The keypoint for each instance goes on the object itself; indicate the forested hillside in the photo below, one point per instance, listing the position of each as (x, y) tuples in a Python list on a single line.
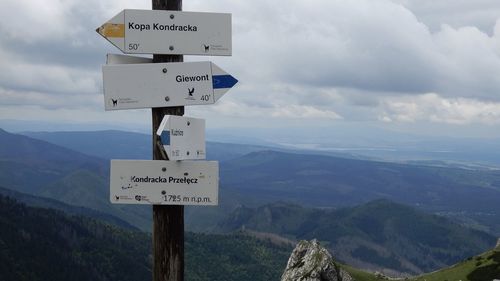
[(45, 244), (377, 235)]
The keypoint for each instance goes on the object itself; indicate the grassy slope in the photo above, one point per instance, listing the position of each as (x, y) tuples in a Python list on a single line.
[(360, 275), (484, 267)]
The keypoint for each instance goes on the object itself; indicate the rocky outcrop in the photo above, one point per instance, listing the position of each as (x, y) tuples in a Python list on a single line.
[(498, 244), (311, 262)]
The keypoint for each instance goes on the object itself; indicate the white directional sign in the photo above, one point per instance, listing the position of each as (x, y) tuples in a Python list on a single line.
[(183, 138), (147, 85), (169, 32), (164, 182)]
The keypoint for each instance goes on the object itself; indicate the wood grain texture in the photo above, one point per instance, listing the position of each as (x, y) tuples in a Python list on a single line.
[(168, 221)]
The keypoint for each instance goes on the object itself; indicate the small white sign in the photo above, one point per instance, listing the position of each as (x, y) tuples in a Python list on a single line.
[(183, 138), (169, 32), (156, 182), (147, 85)]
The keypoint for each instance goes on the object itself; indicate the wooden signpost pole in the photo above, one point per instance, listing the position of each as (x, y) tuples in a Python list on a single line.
[(168, 221), (132, 82)]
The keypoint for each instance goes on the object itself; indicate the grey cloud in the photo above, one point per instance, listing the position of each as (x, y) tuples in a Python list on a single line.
[(345, 45), (338, 56), (88, 56), (47, 100), (47, 78), (376, 46), (457, 13), (433, 108)]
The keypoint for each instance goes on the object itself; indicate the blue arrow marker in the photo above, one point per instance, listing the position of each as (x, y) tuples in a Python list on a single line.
[(165, 137), (223, 81)]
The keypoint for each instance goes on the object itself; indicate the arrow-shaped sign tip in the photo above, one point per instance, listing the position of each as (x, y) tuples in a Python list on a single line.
[(112, 30), (223, 81), (100, 30)]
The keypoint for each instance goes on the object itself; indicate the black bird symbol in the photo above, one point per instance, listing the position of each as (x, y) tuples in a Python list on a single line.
[(207, 48), (190, 92), (115, 102)]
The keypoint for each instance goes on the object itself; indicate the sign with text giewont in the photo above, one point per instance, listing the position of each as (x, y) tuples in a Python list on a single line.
[(164, 182), (169, 32), (183, 138), (147, 85)]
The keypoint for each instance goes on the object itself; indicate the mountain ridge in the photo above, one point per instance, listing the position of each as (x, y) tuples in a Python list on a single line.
[(115, 144), (267, 176), (375, 235), (325, 181), (49, 203), (43, 169)]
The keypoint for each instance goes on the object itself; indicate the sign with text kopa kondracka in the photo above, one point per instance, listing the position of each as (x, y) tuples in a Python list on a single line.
[(169, 32), (156, 182)]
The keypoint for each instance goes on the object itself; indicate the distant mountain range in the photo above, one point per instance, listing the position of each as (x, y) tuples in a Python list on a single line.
[(250, 175), (379, 235), (253, 176), (126, 145), (43, 169), (28, 164), (470, 144), (324, 181)]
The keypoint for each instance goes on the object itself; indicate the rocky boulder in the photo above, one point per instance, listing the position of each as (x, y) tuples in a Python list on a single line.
[(312, 262)]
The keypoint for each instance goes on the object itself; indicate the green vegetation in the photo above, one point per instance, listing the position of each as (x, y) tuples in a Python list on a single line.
[(381, 233), (360, 275), (377, 233), (318, 180), (233, 257), (44, 244), (484, 267)]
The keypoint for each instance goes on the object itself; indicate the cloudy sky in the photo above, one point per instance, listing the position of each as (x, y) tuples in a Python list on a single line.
[(414, 64)]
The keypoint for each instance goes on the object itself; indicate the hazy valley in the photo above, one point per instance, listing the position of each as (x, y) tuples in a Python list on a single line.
[(327, 197)]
